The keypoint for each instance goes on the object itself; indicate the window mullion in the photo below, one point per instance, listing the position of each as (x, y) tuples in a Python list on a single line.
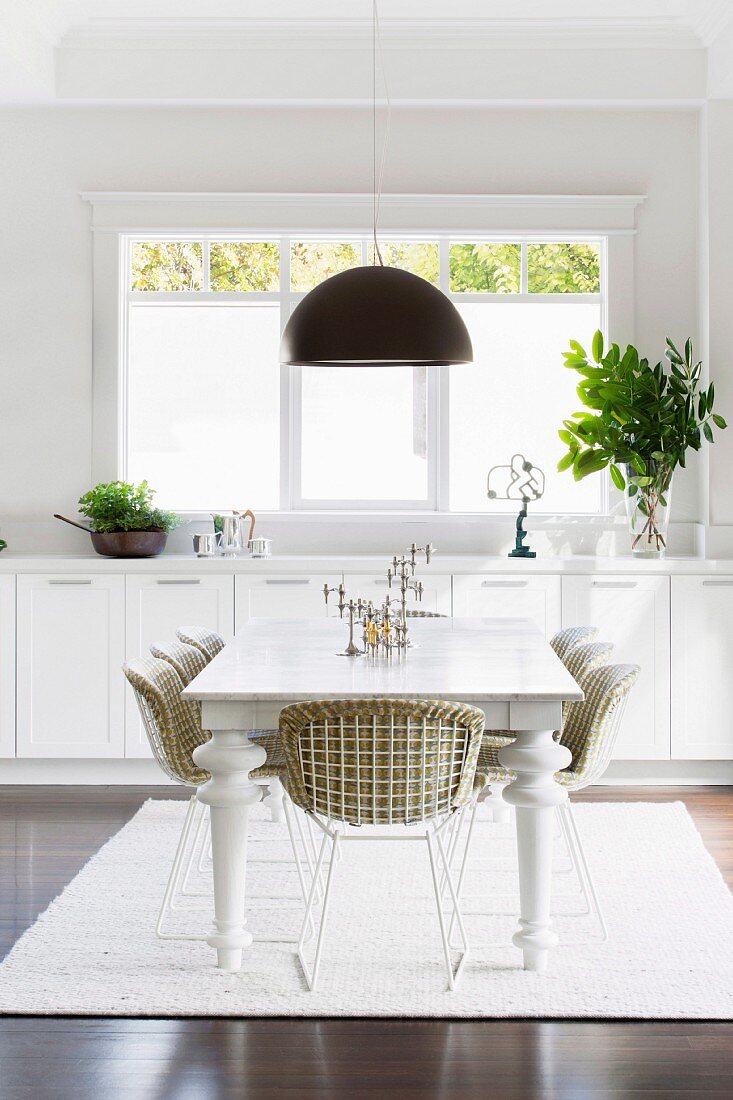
[(523, 279), (207, 272)]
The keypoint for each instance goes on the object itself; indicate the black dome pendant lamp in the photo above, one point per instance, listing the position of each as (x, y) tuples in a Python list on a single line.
[(375, 316)]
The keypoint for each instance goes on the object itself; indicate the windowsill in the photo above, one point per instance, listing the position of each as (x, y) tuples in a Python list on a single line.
[(552, 519)]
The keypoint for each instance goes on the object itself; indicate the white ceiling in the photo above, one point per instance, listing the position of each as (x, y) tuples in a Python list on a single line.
[(49, 48)]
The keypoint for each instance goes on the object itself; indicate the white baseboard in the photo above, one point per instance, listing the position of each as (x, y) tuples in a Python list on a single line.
[(650, 773)]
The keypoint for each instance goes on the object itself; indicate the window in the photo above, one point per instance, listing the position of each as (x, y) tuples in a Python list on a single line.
[(213, 421)]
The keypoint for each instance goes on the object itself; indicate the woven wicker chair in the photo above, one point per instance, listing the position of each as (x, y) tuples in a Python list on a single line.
[(187, 660), (208, 641), (590, 730), (173, 727), (380, 762), (567, 639)]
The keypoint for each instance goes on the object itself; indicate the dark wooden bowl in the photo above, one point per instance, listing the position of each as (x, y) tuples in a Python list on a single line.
[(129, 544)]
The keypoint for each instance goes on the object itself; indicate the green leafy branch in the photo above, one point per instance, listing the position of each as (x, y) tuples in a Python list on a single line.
[(639, 418)]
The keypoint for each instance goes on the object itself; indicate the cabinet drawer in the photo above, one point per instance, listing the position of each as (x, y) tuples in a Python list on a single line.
[(70, 685), (156, 605), (7, 666), (498, 596), (702, 657), (282, 597), (436, 590), (633, 613)]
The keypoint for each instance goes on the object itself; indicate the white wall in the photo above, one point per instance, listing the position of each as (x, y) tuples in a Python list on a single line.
[(50, 155)]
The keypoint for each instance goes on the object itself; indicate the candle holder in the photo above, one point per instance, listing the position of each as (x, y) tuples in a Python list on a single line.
[(384, 627)]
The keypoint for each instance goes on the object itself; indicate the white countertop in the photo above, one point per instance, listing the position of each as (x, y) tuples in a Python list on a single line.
[(333, 565), (481, 660)]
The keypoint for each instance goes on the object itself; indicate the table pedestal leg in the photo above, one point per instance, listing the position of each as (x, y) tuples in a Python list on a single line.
[(229, 756), (535, 757)]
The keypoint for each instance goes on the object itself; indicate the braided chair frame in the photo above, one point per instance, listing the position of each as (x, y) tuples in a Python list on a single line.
[(426, 615), (583, 658), (208, 641), (567, 639), (187, 660), (380, 761), (171, 722)]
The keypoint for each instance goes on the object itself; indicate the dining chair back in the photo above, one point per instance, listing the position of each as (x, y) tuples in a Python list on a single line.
[(187, 660), (208, 641), (583, 658), (591, 726), (171, 722), (571, 636), (380, 761), (426, 615)]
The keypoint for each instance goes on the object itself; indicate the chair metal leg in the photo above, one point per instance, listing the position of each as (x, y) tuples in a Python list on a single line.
[(311, 976), (565, 812), (435, 839), (170, 889)]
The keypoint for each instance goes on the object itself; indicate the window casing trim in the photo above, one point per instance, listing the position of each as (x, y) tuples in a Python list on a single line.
[(606, 219)]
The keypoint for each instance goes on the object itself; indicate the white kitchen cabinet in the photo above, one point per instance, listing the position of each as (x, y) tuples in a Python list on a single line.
[(702, 657), (633, 613), (7, 666), (70, 650), (156, 605), (372, 586), (281, 596), (536, 598)]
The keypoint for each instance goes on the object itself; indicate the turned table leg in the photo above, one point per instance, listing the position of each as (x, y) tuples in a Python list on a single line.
[(535, 757), (229, 756)]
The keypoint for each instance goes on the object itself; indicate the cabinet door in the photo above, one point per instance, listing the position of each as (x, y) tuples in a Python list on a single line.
[(702, 658), (155, 607), (535, 598), (278, 597), (71, 646), (7, 666), (436, 590), (633, 613)]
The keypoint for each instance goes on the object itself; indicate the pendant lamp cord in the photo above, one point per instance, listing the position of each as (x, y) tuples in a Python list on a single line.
[(378, 179)]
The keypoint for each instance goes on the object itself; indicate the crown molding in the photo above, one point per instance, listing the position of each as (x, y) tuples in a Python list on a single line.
[(356, 199), (396, 34)]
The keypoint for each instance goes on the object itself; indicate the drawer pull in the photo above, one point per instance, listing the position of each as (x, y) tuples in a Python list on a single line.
[(70, 581), (613, 584), (718, 584), (504, 584), (287, 580), (177, 580)]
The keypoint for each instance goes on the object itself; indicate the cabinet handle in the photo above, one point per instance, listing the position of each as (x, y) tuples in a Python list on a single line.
[(504, 584), (613, 584), (175, 580), (718, 584), (70, 581), (287, 580)]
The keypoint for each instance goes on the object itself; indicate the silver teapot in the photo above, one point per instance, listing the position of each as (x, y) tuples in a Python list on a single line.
[(230, 533)]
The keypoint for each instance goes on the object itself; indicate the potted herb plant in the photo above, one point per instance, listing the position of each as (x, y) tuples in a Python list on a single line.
[(639, 421), (124, 521)]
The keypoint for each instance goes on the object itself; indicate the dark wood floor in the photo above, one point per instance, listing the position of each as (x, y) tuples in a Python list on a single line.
[(47, 833)]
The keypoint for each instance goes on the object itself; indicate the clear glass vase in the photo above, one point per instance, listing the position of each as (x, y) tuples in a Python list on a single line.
[(647, 508)]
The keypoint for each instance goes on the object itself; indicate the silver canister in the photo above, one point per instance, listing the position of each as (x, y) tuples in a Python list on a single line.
[(260, 548), (206, 545)]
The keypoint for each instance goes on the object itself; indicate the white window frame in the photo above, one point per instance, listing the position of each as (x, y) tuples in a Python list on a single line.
[(120, 218)]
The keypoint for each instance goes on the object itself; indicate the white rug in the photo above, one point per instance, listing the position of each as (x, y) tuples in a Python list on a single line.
[(670, 955)]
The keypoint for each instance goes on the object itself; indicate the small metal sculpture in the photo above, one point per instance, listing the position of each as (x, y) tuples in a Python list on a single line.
[(385, 629), (520, 480)]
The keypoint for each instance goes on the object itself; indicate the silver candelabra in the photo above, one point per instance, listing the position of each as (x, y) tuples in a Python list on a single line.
[(384, 627)]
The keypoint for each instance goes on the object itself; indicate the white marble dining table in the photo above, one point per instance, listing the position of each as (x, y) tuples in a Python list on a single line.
[(503, 666)]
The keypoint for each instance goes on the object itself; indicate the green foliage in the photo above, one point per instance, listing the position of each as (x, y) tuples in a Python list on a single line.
[(485, 268), (119, 506), (563, 269), (313, 261), (244, 265), (636, 416), (167, 265), (3, 544), (421, 258)]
